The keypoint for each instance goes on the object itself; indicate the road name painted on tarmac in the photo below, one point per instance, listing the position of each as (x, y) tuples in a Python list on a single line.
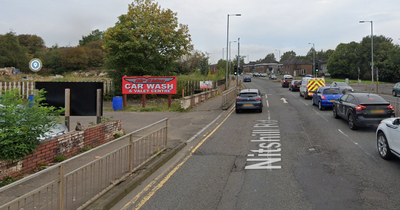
[(268, 154)]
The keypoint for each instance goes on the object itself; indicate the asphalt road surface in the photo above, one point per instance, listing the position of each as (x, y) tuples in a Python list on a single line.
[(290, 156)]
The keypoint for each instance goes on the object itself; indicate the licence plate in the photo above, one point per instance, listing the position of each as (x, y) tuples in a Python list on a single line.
[(377, 111), (247, 104), (332, 100), (298, 85)]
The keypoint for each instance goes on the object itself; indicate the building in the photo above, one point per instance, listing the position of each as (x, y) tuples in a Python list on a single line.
[(296, 67), (264, 66)]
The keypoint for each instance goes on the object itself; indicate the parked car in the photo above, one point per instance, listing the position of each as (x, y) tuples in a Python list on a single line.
[(362, 109), (344, 87), (272, 77), (294, 85), (287, 76), (387, 138), (309, 75), (325, 96), (396, 89), (247, 79), (286, 80), (249, 99)]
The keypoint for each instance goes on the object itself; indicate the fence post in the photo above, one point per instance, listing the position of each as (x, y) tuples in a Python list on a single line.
[(61, 186), (130, 153)]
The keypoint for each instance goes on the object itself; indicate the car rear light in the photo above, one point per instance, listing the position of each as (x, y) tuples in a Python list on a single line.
[(258, 99), (323, 97), (238, 99), (390, 107), (360, 107)]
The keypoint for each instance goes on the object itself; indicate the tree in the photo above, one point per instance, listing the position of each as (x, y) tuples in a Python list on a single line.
[(344, 61), (189, 63), (287, 55), (11, 53), (22, 122), (145, 41), (74, 58), (95, 53), (96, 35), (33, 43)]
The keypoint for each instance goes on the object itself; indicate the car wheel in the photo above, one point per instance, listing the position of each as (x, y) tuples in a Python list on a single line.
[(260, 110), (320, 105), (334, 110), (351, 119), (383, 146), (394, 93), (237, 111), (300, 93), (305, 95)]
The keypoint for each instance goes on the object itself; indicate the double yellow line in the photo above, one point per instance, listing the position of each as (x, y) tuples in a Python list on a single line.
[(166, 178)]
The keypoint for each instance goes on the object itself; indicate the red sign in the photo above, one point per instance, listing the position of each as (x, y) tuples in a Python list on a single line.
[(149, 85)]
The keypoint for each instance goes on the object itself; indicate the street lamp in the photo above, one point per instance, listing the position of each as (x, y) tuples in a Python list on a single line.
[(313, 46), (372, 53), (230, 51), (227, 42), (279, 58)]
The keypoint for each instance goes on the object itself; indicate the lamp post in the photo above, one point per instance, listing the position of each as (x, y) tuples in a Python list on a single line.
[(372, 53), (230, 51), (227, 42), (238, 61), (313, 46), (279, 58)]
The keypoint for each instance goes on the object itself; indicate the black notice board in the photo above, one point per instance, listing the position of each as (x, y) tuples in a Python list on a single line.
[(83, 96)]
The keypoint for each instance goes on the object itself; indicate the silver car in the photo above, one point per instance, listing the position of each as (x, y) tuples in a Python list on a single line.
[(344, 87)]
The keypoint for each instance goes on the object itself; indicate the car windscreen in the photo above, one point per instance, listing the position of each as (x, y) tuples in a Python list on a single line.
[(248, 95), (367, 99), (332, 91)]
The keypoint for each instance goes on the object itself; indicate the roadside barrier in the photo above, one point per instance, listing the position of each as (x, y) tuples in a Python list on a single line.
[(65, 186)]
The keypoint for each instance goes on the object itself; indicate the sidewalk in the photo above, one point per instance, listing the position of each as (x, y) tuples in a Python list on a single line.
[(182, 126)]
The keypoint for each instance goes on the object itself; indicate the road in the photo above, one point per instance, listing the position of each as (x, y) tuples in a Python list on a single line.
[(290, 156)]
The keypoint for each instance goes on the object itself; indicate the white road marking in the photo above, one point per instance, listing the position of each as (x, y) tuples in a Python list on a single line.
[(354, 142), (321, 115), (284, 100), (267, 103), (303, 102)]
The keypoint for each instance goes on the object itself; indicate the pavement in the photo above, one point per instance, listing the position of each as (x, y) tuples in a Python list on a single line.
[(182, 126)]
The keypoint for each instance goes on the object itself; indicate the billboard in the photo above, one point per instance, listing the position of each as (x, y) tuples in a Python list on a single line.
[(149, 85)]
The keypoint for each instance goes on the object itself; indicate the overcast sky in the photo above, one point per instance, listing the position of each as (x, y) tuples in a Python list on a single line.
[(265, 26)]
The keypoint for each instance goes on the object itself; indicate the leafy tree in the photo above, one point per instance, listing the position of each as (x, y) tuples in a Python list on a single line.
[(145, 41), (33, 43), (269, 58), (189, 63), (344, 62), (74, 58), (11, 53), (287, 55), (95, 53), (204, 66), (96, 35), (21, 122)]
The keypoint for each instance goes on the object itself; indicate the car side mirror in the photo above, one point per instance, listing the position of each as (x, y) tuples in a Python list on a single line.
[(396, 122)]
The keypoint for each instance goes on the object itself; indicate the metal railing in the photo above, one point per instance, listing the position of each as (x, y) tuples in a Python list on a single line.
[(229, 96), (76, 182)]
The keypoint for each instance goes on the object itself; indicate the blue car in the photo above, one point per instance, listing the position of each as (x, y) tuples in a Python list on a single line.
[(325, 96), (247, 79)]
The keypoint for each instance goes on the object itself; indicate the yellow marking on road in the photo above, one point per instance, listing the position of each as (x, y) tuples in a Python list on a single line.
[(166, 178)]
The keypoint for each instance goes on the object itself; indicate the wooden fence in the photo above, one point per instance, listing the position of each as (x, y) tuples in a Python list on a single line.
[(184, 88)]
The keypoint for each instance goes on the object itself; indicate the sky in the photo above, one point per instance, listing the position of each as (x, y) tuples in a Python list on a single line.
[(264, 27)]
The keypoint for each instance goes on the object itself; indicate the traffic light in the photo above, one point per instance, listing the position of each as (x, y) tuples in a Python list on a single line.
[(235, 69), (316, 68)]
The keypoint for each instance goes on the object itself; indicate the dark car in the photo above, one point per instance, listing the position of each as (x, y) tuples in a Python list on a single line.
[(247, 79), (286, 81), (396, 89), (344, 87), (295, 85), (325, 96), (249, 99), (362, 109)]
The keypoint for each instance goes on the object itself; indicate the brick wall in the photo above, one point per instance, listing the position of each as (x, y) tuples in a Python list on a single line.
[(67, 144)]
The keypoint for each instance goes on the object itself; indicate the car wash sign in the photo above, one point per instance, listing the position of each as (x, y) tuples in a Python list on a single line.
[(149, 85)]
